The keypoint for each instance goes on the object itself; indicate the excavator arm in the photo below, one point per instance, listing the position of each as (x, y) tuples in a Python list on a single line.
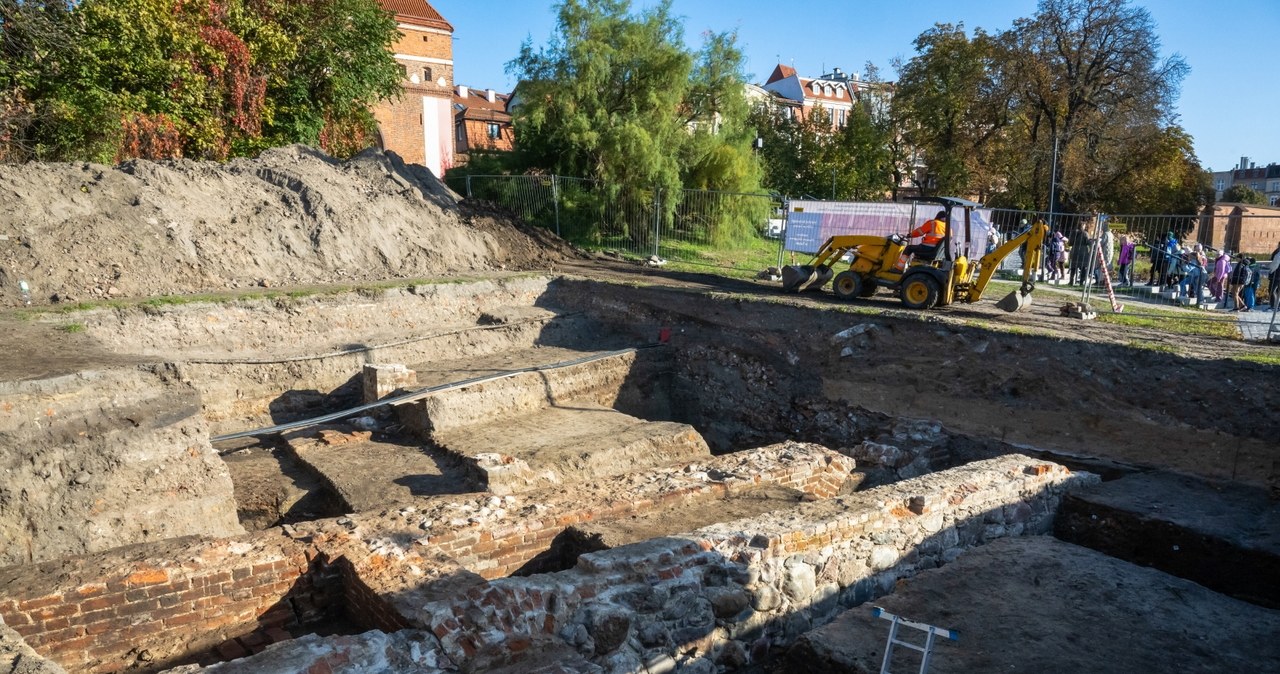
[(1034, 238), (818, 271)]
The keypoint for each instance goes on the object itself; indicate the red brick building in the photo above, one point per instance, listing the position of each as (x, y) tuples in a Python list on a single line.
[(481, 121), (419, 126), (1239, 228)]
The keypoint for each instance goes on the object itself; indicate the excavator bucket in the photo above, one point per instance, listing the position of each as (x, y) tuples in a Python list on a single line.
[(1018, 300), (798, 278)]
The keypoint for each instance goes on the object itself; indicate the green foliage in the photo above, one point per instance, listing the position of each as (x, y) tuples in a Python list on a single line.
[(615, 96), (114, 79), (1243, 194), (956, 108), (810, 156)]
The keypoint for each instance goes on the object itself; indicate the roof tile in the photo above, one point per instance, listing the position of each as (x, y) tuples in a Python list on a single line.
[(417, 12)]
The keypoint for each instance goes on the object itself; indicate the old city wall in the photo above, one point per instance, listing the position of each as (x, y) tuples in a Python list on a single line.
[(159, 603)]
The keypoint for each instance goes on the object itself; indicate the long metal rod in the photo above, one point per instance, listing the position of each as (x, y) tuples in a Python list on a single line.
[(423, 393)]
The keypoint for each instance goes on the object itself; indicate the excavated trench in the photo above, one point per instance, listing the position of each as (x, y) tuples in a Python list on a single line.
[(615, 419)]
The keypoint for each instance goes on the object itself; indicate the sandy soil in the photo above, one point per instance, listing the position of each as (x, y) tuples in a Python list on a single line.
[(293, 216)]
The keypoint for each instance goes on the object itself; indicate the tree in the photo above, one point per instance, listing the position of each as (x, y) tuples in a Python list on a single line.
[(950, 93), (1243, 194), (210, 79), (1086, 75)]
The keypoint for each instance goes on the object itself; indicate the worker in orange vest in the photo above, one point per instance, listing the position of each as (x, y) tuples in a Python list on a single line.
[(931, 234)]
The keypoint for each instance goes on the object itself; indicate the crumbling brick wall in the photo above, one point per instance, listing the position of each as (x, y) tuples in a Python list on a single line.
[(730, 593)]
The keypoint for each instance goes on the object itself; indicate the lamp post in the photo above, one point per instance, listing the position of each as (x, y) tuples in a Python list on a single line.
[(1053, 182)]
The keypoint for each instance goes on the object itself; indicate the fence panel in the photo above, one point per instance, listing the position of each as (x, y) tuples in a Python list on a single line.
[(721, 229)]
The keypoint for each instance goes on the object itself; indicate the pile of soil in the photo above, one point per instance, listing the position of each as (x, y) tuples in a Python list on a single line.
[(293, 216)]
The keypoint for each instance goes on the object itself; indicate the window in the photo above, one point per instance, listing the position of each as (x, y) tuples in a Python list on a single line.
[(462, 133), (404, 70), (1274, 199), (839, 92), (842, 113), (426, 75), (1254, 185), (1220, 185), (1275, 186), (495, 131)]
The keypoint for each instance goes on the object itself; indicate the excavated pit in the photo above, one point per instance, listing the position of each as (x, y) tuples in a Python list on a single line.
[(638, 505)]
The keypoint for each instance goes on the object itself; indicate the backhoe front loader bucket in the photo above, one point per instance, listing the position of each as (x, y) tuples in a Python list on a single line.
[(798, 278), (1018, 300)]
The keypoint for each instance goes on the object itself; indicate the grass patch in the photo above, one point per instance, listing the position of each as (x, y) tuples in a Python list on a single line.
[(72, 328), (1152, 346), (1270, 358), (1177, 322)]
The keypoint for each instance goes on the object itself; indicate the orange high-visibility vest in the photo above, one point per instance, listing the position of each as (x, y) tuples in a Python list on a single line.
[(932, 230)]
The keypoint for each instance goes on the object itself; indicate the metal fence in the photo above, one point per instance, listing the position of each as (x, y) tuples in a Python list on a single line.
[(1130, 263), (702, 227), (1165, 261)]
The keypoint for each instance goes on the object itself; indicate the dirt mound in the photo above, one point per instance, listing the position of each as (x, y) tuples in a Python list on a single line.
[(292, 216)]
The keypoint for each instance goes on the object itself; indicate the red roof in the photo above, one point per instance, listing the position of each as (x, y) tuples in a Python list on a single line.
[(781, 73), (822, 94), (477, 106), (417, 12)]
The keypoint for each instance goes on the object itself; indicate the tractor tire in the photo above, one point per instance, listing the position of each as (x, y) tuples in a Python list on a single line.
[(847, 285), (868, 289), (920, 291)]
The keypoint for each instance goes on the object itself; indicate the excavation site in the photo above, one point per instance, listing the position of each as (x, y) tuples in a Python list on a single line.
[(539, 460)]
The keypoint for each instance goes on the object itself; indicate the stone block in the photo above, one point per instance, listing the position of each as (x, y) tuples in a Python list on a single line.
[(381, 380)]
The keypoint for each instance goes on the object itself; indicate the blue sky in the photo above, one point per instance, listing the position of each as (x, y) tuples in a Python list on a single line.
[(1230, 102)]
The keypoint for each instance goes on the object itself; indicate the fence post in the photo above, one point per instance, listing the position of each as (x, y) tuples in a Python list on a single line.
[(555, 199), (468, 185), (657, 218), (782, 240)]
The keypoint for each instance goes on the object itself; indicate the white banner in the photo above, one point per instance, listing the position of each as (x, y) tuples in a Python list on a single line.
[(811, 223)]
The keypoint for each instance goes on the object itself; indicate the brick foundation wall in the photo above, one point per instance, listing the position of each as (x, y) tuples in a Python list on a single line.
[(732, 592), (156, 604), (722, 596), (108, 612)]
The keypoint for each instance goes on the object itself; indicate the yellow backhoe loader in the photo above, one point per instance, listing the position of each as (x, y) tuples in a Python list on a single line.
[(924, 283)]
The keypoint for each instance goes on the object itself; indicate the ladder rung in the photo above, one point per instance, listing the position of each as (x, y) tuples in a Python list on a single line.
[(910, 645)]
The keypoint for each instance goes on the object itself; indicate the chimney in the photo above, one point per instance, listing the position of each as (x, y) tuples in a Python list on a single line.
[(1244, 163), (463, 91), (491, 95), (1253, 165)]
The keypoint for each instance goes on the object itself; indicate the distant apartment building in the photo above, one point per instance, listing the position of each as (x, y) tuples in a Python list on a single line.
[(481, 122), (1263, 179), (419, 125), (834, 92)]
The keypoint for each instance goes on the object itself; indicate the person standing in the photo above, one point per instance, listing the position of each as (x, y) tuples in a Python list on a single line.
[(1218, 279), (1127, 249), (1239, 278), (1079, 240)]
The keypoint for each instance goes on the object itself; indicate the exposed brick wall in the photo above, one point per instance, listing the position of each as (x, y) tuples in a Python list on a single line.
[(723, 595), (401, 121), (99, 613), (752, 585), (107, 612), (478, 137)]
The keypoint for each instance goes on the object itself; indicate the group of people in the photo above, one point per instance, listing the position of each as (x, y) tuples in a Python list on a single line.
[(1070, 256)]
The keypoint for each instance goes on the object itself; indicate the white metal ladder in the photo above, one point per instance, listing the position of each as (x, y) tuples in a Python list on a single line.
[(926, 650)]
